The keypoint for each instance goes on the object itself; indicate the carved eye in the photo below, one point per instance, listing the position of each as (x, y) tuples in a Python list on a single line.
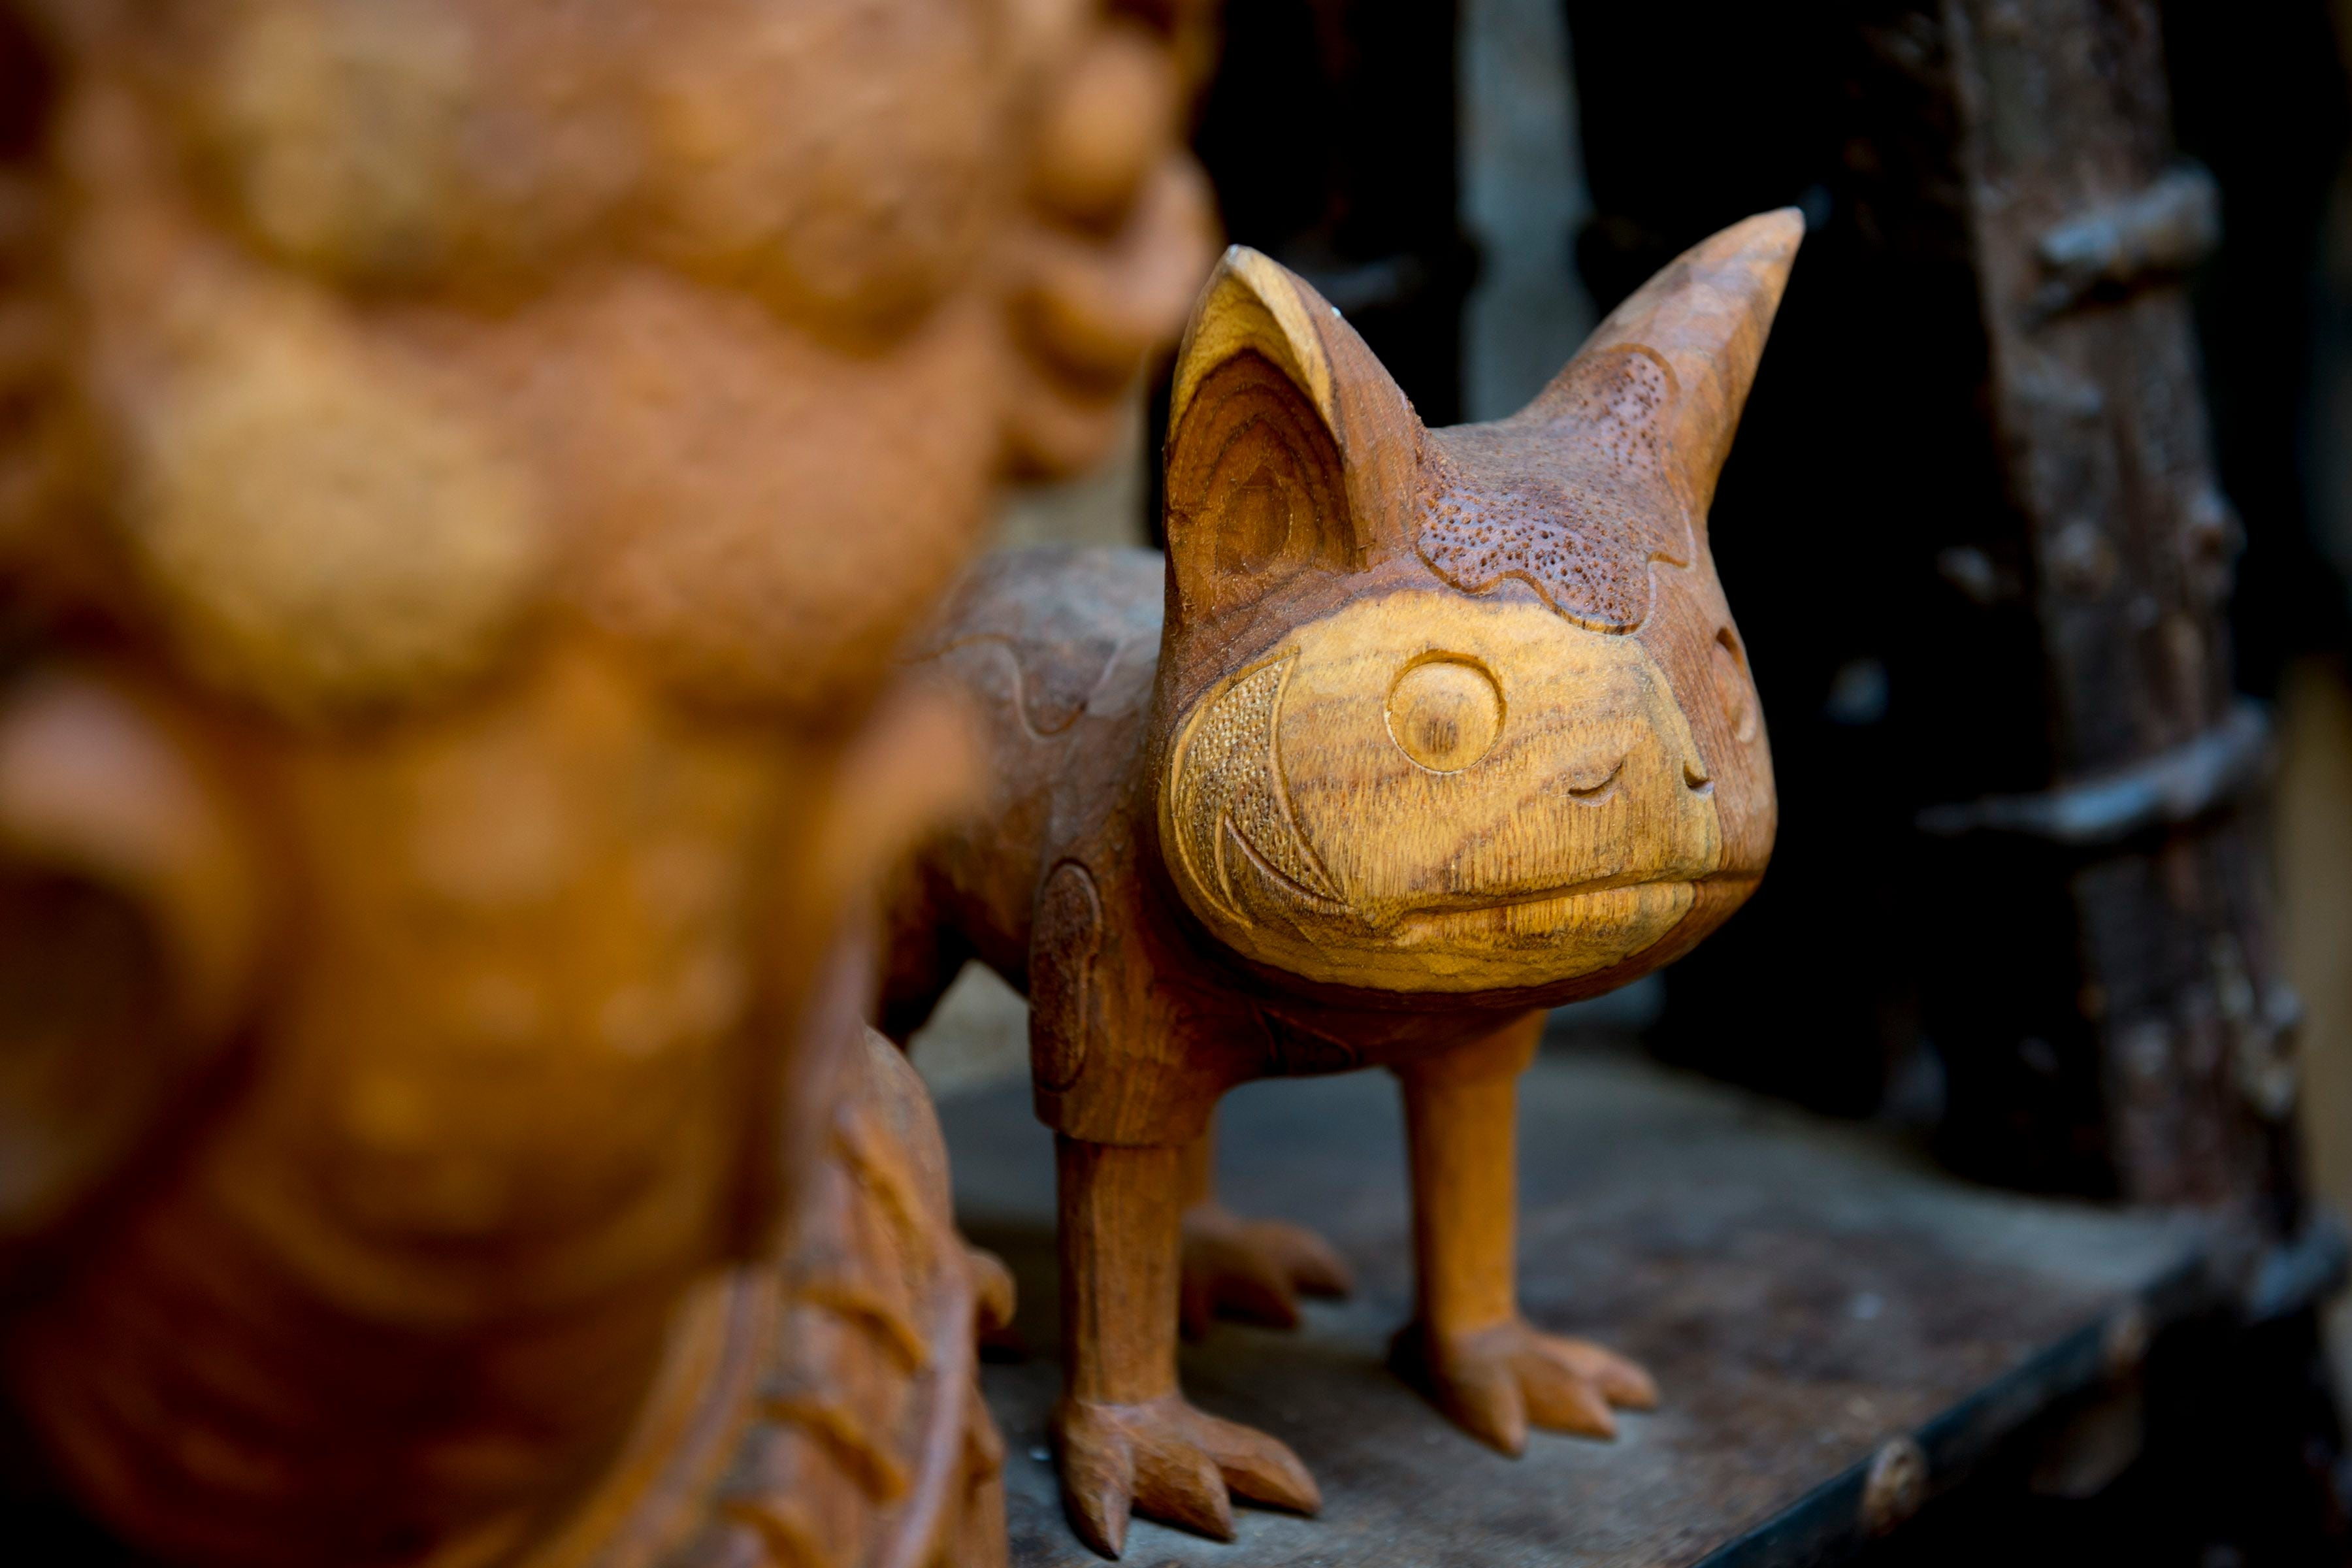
[(1445, 713)]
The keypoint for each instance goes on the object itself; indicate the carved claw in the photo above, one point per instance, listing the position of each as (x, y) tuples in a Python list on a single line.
[(1495, 1382), (992, 1293), (1169, 1461), (1252, 1271)]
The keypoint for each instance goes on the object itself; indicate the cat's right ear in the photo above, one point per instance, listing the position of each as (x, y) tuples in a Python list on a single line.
[(1290, 449)]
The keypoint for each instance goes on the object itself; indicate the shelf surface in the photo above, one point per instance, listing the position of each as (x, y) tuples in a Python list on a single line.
[(1805, 1291)]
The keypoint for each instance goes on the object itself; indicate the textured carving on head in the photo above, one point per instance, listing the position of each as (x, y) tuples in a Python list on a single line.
[(1463, 710)]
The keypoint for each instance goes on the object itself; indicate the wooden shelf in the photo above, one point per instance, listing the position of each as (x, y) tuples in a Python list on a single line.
[(1807, 1293)]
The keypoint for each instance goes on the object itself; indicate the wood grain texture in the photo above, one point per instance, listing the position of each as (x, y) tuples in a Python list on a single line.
[(1468, 1345), (1431, 729), (479, 460)]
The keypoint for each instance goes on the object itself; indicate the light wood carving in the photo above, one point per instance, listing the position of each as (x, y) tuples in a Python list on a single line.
[(465, 468), (1414, 734)]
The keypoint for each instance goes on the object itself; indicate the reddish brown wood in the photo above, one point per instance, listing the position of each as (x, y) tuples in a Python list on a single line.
[(479, 458)]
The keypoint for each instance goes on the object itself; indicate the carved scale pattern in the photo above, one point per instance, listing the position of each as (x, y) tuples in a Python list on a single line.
[(1575, 502)]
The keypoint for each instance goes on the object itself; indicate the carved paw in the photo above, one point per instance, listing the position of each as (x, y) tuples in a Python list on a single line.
[(1254, 1271), (1497, 1382), (991, 1289), (1169, 1461), (994, 1298)]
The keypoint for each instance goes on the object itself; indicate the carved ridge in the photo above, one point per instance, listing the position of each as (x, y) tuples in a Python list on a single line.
[(1022, 704)]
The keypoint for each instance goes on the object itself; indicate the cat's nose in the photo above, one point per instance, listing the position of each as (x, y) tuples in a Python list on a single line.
[(1695, 778)]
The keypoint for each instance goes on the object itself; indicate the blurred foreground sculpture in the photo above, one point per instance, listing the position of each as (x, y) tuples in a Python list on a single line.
[(466, 466), (1413, 734)]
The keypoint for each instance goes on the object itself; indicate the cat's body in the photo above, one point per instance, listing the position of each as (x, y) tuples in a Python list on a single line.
[(1054, 649), (1415, 734)]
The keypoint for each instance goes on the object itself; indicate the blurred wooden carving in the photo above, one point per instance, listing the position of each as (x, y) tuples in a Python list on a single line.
[(1436, 729), (465, 467)]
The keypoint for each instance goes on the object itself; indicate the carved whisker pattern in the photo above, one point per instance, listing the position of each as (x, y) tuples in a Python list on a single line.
[(1234, 785)]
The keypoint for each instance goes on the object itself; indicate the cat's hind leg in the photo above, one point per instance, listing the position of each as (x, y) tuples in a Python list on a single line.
[(1249, 1270)]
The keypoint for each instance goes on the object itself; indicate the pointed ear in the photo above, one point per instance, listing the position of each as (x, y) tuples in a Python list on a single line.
[(1668, 372), (1289, 448)]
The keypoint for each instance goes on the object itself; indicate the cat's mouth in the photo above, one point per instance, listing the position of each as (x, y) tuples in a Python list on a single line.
[(1617, 903), (1612, 906), (1465, 941)]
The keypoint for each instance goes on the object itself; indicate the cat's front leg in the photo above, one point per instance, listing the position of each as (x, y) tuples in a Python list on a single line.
[(1485, 1365), (1126, 1437)]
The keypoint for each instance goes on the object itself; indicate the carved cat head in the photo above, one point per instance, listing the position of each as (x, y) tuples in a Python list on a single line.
[(1461, 710)]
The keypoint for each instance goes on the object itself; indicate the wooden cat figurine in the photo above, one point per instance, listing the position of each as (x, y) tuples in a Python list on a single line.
[(1431, 729)]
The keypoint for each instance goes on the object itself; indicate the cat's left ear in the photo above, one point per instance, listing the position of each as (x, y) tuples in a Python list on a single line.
[(1290, 449)]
